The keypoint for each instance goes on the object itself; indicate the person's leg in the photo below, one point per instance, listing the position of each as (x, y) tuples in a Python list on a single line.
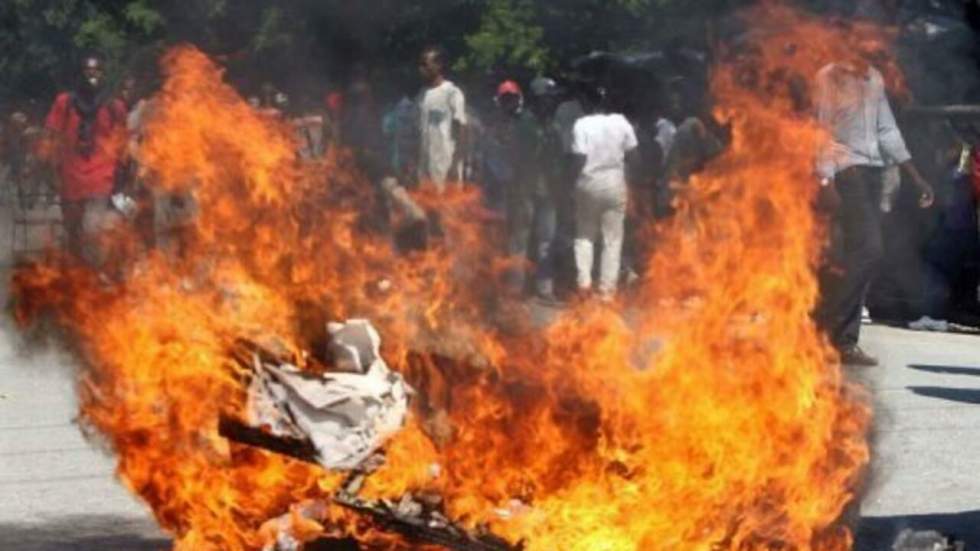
[(433, 176), (863, 251), (632, 255), (145, 221), (612, 224), (98, 219), (520, 213), (72, 213), (586, 229), (545, 230)]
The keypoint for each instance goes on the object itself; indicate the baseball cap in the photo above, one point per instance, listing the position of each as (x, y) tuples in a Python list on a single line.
[(509, 87)]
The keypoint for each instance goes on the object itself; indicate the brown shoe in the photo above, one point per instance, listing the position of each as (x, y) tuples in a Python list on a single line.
[(855, 357)]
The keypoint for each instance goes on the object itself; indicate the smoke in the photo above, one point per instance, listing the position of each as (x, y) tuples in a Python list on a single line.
[(939, 51)]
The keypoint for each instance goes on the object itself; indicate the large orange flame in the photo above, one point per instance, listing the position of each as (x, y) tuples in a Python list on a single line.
[(709, 414)]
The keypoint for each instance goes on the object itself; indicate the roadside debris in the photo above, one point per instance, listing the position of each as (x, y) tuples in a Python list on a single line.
[(911, 540)]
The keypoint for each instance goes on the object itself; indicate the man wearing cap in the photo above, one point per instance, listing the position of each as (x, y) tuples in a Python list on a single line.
[(864, 138), (529, 150)]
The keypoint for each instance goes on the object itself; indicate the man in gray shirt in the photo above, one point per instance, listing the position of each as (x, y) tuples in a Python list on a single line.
[(864, 139)]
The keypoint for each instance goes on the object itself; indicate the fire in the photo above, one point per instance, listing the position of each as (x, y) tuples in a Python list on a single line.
[(709, 414)]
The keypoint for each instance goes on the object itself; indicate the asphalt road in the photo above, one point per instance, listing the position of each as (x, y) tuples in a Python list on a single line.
[(926, 440), (58, 491)]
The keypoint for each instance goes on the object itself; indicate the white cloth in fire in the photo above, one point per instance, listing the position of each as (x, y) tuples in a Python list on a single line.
[(347, 415)]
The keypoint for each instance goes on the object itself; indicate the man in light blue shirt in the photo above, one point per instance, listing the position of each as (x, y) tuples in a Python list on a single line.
[(864, 138)]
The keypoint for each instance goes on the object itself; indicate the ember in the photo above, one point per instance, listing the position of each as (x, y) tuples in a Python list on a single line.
[(739, 432)]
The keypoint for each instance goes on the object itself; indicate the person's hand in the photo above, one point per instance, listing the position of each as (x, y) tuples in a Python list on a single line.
[(926, 195), (828, 198)]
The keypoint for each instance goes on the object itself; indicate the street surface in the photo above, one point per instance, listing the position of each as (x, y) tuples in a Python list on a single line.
[(927, 436), (58, 491)]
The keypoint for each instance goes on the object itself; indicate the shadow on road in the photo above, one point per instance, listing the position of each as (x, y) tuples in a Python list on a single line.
[(84, 533), (878, 533), (961, 395), (947, 369)]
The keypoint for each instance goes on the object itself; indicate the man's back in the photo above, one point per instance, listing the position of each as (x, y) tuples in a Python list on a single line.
[(604, 141)]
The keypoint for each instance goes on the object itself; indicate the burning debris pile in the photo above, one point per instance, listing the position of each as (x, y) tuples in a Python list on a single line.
[(420, 519), (740, 432), (337, 419), (340, 420)]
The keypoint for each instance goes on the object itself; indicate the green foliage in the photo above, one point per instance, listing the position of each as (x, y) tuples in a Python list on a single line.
[(278, 39), (144, 18), (636, 7), (272, 31), (101, 32), (508, 35)]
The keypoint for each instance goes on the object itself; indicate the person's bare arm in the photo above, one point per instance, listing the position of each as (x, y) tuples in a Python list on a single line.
[(462, 135), (893, 147), (926, 194)]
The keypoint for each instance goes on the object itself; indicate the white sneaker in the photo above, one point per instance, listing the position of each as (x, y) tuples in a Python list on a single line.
[(865, 315)]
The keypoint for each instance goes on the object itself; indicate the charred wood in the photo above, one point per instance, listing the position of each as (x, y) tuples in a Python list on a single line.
[(237, 431)]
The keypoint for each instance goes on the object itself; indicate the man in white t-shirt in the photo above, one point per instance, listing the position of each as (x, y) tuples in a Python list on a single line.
[(601, 143), (442, 123)]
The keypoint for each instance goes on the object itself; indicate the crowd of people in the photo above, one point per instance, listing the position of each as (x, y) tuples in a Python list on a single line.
[(572, 165)]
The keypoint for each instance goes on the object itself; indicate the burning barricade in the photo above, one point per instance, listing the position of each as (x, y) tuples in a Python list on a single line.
[(748, 439), (340, 419)]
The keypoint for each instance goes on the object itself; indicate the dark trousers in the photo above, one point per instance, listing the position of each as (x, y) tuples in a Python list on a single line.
[(861, 252), (532, 219)]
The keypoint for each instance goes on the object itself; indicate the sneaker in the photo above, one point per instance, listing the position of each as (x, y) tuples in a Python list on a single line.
[(854, 356), (865, 316)]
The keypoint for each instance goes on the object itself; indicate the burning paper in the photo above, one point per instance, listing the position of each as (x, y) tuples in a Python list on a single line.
[(347, 415)]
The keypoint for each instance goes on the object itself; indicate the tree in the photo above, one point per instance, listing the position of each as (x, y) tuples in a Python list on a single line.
[(509, 34), (282, 41)]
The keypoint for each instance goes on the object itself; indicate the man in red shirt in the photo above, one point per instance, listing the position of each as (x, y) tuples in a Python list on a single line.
[(88, 131)]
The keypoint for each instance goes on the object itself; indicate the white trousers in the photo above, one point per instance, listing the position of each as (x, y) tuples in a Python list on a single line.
[(599, 214)]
